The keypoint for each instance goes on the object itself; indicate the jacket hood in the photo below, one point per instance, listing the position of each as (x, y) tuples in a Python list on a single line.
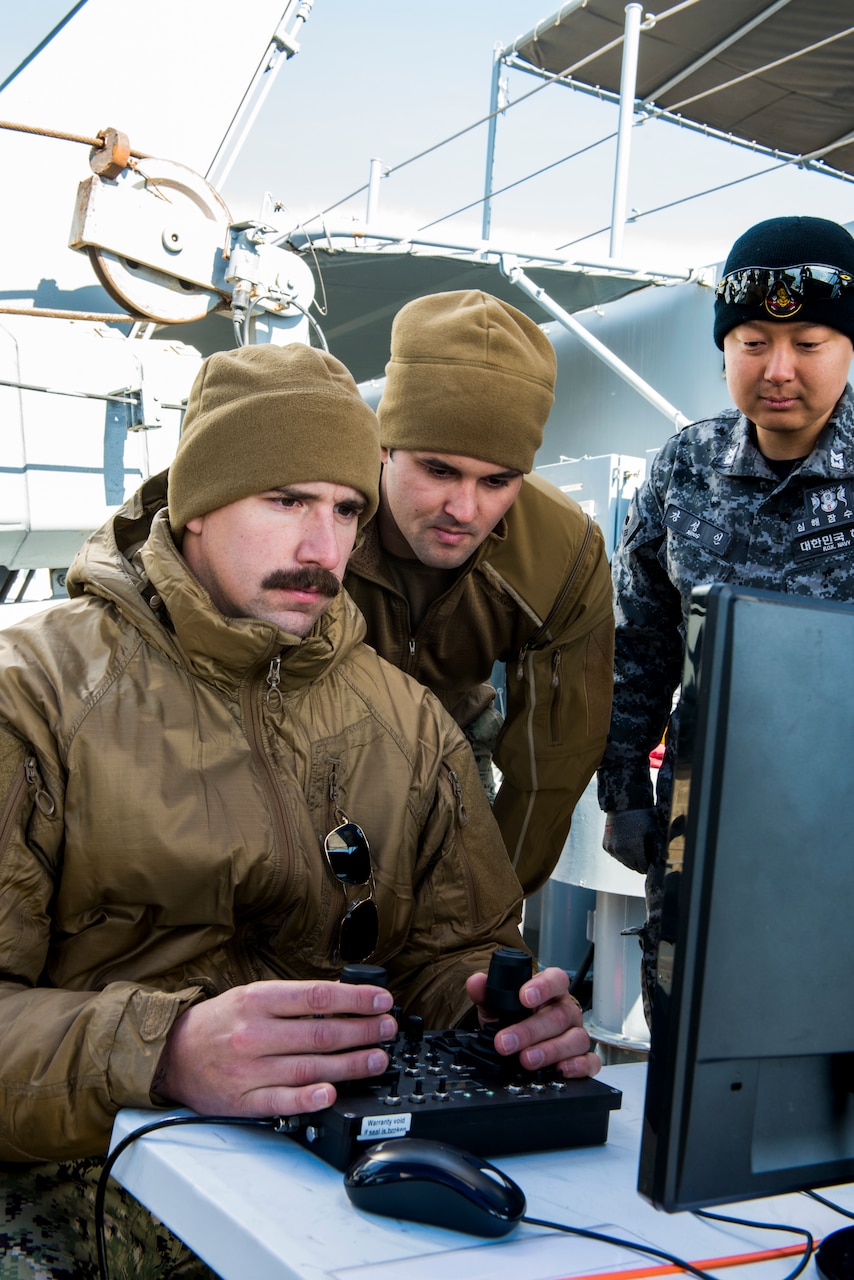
[(132, 562)]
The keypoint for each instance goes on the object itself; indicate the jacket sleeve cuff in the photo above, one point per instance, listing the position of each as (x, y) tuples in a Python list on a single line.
[(139, 1041)]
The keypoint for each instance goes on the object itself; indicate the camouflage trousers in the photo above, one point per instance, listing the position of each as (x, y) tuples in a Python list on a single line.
[(482, 734), (48, 1229)]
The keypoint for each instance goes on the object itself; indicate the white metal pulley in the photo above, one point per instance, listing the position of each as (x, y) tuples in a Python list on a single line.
[(156, 235)]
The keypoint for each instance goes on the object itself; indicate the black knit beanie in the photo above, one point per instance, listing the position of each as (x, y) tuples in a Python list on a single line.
[(791, 242)]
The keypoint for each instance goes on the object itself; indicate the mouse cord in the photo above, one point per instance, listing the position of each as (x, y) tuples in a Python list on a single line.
[(623, 1244), (830, 1204), (809, 1242), (166, 1122), (672, 1258)]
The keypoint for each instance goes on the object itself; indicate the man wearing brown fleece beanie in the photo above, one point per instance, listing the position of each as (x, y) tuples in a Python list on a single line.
[(472, 561), (215, 796)]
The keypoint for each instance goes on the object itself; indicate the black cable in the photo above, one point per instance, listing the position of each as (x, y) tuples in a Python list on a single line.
[(622, 1244), (173, 1121), (672, 1258), (767, 1226), (582, 970), (165, 1122), (830, 1204)]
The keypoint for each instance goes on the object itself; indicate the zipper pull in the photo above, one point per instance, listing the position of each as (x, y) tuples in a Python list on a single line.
[(520, 662), (338, 815), (462, 816), (411, 647), (43, 799), (556, 669), (273, 696)]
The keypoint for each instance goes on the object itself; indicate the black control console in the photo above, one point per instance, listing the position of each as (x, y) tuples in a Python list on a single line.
[(453, 1087)]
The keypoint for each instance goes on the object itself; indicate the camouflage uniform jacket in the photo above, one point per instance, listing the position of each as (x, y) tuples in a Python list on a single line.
[(712, 510), (536, 595), (167, 777)]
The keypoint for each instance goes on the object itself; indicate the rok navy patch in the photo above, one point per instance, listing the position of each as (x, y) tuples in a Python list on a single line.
[(823, 543), (697, 530), (826, 507)]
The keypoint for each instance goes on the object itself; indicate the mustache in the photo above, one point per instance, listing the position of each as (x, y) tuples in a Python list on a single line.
[(303, 580)]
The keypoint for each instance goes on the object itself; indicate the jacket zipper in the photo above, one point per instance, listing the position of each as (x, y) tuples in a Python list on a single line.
[(29, 779), (13, 800), (554, 708), (461, 820), (554, 704), (42, 797), (542, 630), (273, 696), (273, 702), (457, 792)]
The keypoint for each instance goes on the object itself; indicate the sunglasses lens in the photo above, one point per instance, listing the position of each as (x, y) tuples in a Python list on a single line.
[(349, 855), (782, 288), (360, 931)]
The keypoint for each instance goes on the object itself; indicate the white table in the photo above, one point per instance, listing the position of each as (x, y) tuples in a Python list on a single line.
[(256, 1205)]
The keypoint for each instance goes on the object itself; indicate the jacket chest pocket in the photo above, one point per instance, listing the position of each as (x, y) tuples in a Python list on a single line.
[(828, 576)]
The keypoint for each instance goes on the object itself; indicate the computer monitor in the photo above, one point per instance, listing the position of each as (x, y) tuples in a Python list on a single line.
[(750, 1086)]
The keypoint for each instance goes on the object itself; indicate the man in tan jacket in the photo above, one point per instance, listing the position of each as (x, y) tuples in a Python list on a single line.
[(472, 561), (185, 747)]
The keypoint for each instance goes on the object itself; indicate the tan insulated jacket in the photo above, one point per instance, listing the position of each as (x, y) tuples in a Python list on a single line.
[(536, 596), (167, 777)]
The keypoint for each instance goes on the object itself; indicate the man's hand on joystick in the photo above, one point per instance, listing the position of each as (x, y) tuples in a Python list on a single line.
[(548, 1031)]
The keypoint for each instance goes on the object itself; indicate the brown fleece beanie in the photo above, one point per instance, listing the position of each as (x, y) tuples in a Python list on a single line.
[(468, 374), (262, 417)]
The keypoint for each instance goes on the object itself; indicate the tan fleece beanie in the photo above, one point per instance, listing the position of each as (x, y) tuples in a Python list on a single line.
[(262, 417), (468, 374)]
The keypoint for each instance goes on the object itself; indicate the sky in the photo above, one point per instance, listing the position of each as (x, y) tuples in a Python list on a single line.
[(388, 79)]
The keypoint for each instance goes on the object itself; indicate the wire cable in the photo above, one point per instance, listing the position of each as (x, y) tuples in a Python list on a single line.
[(767, 1226), (672, 204), (680, 1263), (621, 1244), (165, 1122), (829, 1204)]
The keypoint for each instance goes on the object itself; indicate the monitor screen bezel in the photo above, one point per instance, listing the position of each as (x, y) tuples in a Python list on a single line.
[(711, 1132)]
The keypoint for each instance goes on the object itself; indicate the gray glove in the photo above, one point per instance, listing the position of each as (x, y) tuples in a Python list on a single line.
[(632, 837)]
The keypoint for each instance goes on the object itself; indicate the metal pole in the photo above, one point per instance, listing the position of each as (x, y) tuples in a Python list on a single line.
[(281, 42), (490, 141), (628, 82), (373, 191), (517, 276)]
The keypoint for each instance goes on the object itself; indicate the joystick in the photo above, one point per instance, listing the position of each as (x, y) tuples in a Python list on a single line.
[(373, 975), (509, 969), (369, 975)]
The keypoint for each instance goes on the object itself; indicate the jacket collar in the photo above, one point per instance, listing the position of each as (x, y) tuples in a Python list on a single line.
[(133, 561), (832, 453)]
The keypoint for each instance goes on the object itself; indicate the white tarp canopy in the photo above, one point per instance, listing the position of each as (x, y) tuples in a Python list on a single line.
[(778, 74)]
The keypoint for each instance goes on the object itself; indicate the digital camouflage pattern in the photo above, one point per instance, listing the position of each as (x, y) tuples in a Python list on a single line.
[(712, 510), (47, 1232), (482, 735)]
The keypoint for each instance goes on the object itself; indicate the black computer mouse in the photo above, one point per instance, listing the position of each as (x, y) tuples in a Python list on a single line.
[(426, 1181)]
